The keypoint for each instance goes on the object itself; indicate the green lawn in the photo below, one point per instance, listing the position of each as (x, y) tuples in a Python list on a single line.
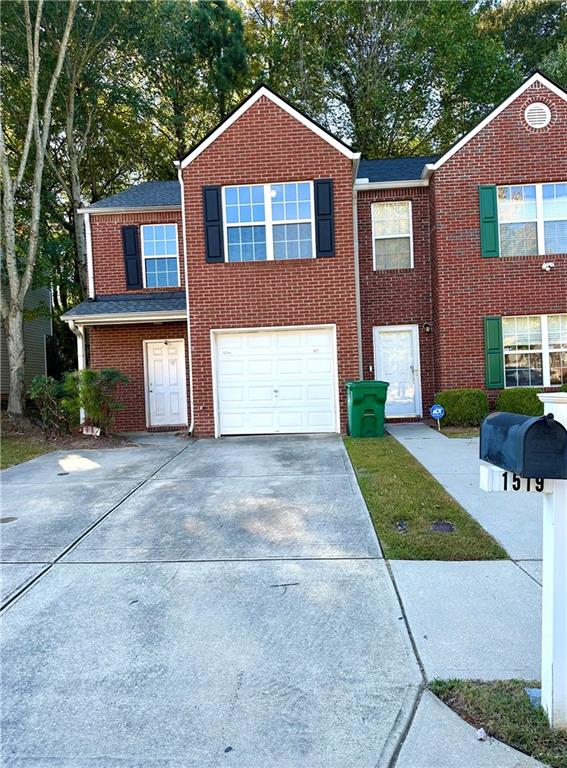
[(503, 709), (460, 431), (404, 500), (15, 450)]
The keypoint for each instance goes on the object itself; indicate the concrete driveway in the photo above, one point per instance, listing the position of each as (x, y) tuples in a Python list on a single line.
[(206, 604)]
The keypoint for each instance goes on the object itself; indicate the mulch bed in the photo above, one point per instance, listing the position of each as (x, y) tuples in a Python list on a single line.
[(21, 426)]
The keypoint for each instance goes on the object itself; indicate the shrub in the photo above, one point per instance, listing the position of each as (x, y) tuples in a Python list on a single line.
[(463, 407), (520, 400), (95, 393), (47, 394)]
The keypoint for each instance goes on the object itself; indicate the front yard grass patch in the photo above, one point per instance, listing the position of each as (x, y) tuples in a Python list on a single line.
[(404, 500), (15, 450), (504, 710), (460, 432)]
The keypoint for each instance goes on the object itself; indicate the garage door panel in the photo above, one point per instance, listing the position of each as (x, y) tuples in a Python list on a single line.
[(276, 381)]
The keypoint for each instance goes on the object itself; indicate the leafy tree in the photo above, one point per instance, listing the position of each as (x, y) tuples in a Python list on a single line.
[(384, 77), (532, 30), (194, 58), (23, 149)]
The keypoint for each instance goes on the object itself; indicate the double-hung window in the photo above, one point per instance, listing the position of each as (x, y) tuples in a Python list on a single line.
[(532, 219), (266, 222), (535, 350), (392, 235), (160, 258)]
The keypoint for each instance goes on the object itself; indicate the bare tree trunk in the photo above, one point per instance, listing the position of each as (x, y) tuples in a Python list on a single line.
[(19, 276), (14, 330), (78, 224)]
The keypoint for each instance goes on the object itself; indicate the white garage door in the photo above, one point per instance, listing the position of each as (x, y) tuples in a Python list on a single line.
[(276, 381)]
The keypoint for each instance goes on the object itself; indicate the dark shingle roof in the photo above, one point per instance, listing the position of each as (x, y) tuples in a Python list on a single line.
[(126, 303), (394, 169), (150, 194)]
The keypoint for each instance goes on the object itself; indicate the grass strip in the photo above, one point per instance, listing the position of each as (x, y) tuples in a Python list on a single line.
[(404, 500), (15, 450), (504, 710)]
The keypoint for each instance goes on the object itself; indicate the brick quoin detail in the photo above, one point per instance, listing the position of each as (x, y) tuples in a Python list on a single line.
[(467, 287), (122, 347), (108, 257), (267, 145)]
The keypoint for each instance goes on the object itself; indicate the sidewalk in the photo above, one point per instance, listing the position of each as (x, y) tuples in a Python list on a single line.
[(472, 620), (476, 620)]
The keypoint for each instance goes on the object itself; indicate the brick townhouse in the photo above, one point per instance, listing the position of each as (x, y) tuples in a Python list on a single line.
[(241, 297)]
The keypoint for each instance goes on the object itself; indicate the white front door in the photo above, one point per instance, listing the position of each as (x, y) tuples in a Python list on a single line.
[(276, 381), (396, 360), (166, 396)]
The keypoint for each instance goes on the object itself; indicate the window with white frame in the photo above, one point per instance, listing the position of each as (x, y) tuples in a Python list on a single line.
[(266, 222), (160, 256), (535, 350), (392, 235), (532, 219)]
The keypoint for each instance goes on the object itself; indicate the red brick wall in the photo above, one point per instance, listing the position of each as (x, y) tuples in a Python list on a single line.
[(122, 347), (108, 258), (268, 145), (467, 287), (398, 296)]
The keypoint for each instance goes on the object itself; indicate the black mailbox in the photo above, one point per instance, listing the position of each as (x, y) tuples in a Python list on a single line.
[(528, 446)]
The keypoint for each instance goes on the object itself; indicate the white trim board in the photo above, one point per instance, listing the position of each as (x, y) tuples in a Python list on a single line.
[(537, 77), (126, 318), (125, 209), (263, 91)]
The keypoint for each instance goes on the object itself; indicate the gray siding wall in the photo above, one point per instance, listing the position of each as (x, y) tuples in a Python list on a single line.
[(35, 332)]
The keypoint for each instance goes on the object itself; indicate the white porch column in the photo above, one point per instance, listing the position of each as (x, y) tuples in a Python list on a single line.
[(554, 604), (79, 332)]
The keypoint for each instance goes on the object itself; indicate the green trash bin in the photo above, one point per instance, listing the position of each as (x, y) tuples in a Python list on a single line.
[(365, 406)]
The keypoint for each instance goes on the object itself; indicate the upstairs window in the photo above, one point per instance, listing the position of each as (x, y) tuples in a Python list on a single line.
[(535, 350), (532, 219), (266, 222), (392, 235), (160, 257)]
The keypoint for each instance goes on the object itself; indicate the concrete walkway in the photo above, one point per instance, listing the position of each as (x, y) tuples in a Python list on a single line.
[(215, 603), (474, 619)]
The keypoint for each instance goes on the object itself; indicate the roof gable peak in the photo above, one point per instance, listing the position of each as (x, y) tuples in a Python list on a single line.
[(536, 77), (264, 91)]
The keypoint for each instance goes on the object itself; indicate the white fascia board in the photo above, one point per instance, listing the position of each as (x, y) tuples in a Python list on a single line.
[(90, 266), (125, 318), (263, 91), (391, 185), (535, 78), (144, 209)]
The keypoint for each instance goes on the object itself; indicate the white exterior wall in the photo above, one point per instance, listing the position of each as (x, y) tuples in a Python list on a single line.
[(35, 332)]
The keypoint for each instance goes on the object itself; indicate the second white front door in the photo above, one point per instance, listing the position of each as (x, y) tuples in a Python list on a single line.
[(166, 397), (396, 360)]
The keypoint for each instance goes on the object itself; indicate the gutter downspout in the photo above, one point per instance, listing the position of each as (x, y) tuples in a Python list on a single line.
[(89, 243), (81, 353), (357, 268), (191, 426)]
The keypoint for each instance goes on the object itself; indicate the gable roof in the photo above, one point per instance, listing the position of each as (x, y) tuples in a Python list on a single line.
[(261, 91), (393, 169), (536, 77), (149, 194)]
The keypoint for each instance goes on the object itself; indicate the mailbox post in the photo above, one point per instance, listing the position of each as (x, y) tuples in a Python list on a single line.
[(554, 607), (532, 451)]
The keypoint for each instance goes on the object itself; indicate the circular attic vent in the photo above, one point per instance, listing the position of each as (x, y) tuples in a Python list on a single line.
[(537, 115)]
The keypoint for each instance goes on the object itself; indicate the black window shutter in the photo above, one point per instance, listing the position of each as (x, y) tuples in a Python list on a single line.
[(212, 212), (324, 218), (132, 257)]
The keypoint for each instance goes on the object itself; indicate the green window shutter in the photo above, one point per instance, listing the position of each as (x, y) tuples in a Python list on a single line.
[(489, 239), (493, 353)]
